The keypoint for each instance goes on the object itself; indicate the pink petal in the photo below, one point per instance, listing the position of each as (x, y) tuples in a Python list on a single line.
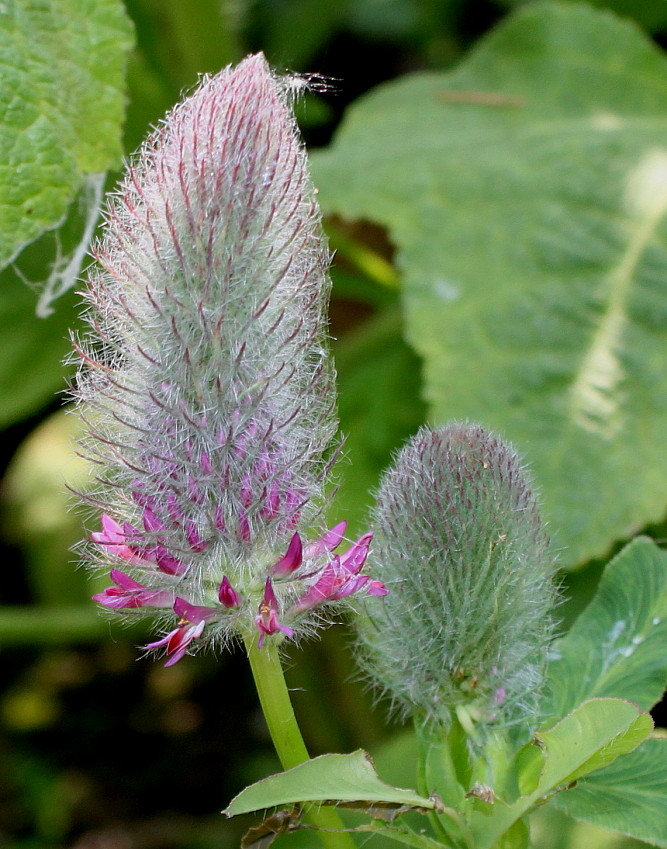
[(292, 559), (329, 541), (267, 618), (130, 594), (193, 613), (158, 644), (177, 641), (167, 562), (321, 590), (244, 527), (113, 537), (111, 531), (122, 580), (354, 558), (115, 599), (190, 635), (151, 522), (219, 520), (351, 586), (174, 509), (205, 462), (195, 541)]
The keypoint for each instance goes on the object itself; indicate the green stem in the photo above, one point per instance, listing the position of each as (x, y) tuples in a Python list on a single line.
[(279, 714), (443, 766), (425, 790)]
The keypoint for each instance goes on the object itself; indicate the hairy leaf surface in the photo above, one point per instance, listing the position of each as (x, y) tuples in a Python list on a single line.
[(526, 192), (62, 65)]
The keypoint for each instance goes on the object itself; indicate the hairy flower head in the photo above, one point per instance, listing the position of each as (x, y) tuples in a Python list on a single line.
[(206, 381), (460, 544)]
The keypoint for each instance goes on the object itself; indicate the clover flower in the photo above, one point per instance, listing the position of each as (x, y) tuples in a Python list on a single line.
[(207, 384)]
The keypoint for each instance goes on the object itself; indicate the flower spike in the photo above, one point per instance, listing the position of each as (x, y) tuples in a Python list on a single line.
[(214, 386)]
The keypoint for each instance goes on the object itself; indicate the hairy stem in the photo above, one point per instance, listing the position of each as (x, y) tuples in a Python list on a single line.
[(284, 729)]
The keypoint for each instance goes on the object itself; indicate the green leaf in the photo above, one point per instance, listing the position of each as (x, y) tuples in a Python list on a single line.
[(593, 735), (552, 829), (329, 778), (629, 796), (617, 645), (590, 737), (526, 193), (62, 65)]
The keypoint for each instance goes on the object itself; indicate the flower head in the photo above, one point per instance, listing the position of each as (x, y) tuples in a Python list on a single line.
[(206, 380), (461, 545)]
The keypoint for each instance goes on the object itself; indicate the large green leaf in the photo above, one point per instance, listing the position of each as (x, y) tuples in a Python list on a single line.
[(329, 778), (526, 193), (62, 65), (617, 645), (593, 735), (629, 796)]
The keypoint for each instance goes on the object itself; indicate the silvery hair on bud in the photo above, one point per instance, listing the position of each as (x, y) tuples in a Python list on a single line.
[(206, 377), (461, 547)]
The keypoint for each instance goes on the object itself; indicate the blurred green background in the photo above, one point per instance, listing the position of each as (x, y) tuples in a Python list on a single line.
[(102, 749)]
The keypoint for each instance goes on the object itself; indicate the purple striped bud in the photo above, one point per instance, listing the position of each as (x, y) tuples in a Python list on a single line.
[(206, 376)]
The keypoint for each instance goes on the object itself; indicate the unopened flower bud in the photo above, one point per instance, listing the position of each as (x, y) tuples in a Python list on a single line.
[(460, 545)]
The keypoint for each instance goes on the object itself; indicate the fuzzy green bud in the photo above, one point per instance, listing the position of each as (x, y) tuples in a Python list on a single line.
[(460, 545)]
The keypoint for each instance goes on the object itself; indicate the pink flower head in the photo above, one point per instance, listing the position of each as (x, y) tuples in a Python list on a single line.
[(267, 618)]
